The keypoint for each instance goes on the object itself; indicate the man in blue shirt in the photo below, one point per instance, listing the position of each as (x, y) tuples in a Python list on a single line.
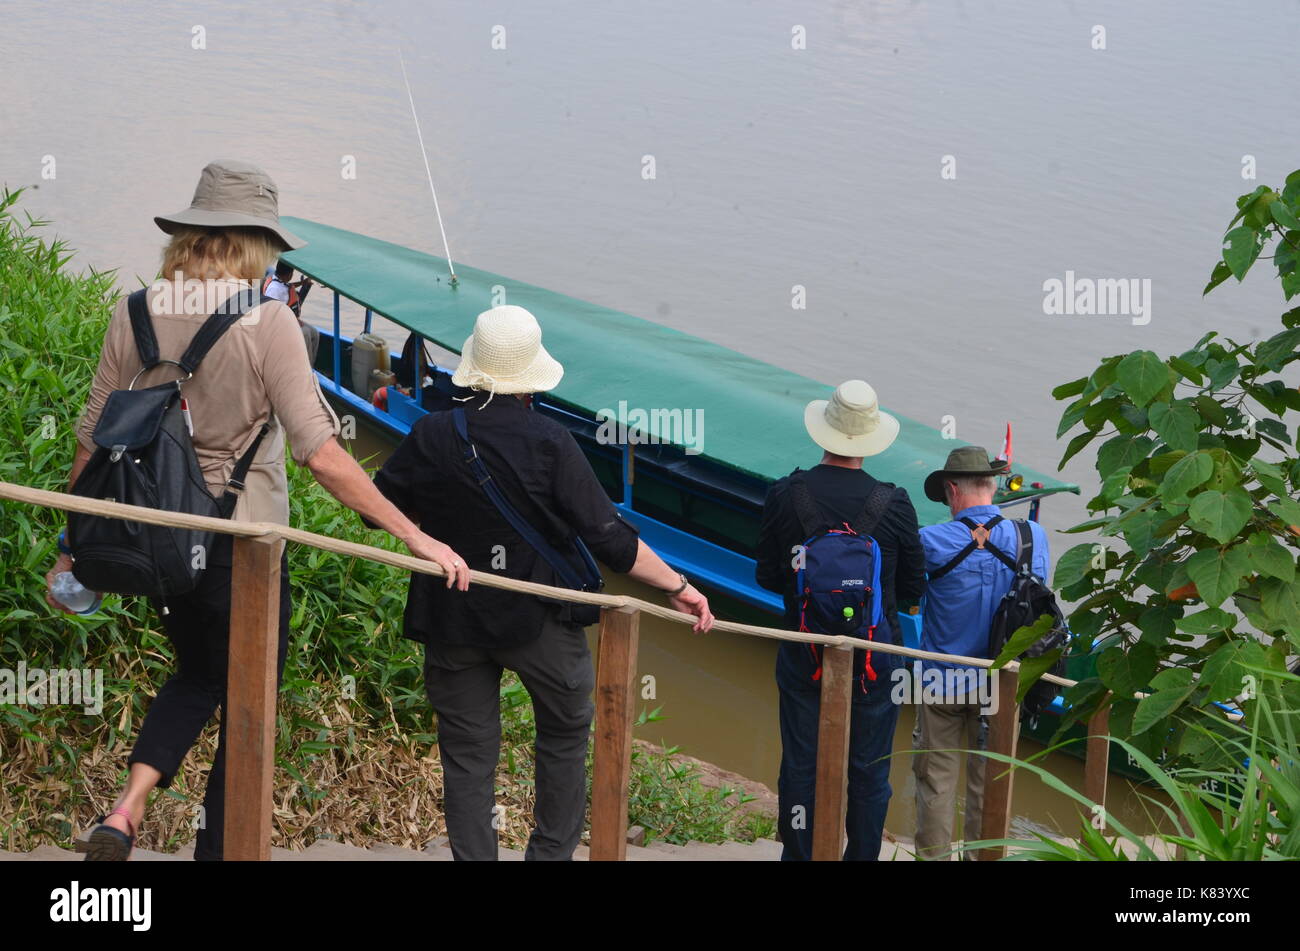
[(962, 595)]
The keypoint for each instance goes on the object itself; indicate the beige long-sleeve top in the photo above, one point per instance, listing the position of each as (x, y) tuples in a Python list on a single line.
[(256, 373)]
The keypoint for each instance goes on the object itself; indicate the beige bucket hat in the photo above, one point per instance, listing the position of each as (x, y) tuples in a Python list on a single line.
[(233, 194), (505, 354), (851, 422)]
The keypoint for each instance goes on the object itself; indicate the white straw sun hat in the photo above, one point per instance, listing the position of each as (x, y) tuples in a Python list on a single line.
[(505, 354), (851, 422)]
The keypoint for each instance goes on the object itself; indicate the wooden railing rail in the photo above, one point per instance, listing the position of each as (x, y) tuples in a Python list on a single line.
[(250, 712)]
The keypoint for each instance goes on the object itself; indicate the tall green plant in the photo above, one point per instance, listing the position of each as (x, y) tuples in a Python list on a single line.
[(1198, 470)]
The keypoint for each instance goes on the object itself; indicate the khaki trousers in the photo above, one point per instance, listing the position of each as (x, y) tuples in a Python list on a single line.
[(942, 731)]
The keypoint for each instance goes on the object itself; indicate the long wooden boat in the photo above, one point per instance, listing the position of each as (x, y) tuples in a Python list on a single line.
[(696, 501)]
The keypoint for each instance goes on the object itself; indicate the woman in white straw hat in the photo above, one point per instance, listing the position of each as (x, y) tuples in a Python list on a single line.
[(799, 510), (442, 477), (255, 379)]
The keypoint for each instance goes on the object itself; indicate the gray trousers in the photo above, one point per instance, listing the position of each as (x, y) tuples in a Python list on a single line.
[(464, 684)]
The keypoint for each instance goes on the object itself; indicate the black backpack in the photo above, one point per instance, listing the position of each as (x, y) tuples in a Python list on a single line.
[(1028, 599), (144, 456)]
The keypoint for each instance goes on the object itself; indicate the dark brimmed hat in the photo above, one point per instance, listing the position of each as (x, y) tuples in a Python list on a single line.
[(966, 462), (233, 194)]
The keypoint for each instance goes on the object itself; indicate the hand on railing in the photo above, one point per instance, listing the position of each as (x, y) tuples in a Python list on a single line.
[(430, 549), (691, 601)]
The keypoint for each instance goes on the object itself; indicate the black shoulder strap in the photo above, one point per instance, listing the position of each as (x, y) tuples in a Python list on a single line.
[(571, 577), (878, 500), (218, 322), (235, 484), (1024, 545), (806, 509), (146, 344), (961, 556), (233, 308)]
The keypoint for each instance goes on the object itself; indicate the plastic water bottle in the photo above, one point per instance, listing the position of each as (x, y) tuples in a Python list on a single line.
[(70, 593)]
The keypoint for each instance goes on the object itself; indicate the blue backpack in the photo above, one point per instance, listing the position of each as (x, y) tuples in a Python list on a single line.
[(837, 583)]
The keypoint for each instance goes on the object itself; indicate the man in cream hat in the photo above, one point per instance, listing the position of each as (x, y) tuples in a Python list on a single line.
[(469, 638), (847, 427)]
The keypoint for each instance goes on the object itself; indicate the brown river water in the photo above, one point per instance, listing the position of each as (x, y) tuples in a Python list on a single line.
[(921, 169)]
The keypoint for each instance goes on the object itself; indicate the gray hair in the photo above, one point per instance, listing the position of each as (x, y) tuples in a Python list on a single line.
[(975, 483)]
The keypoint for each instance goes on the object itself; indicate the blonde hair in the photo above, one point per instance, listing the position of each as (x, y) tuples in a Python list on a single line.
[(207, 253)]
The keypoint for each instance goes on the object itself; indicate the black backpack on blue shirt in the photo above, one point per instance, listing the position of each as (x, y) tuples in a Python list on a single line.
[(1026, 600)]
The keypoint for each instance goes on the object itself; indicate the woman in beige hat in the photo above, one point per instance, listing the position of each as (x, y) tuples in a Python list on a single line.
[(541, 474), (257, 373)]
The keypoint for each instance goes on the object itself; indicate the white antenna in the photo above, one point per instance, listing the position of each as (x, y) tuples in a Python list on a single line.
[(427, 170)]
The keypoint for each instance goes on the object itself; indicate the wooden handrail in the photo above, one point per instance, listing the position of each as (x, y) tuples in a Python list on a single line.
[(250, 711)]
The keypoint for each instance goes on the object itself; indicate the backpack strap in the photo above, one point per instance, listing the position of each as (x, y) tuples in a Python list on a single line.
[(563, 567), (873, 510), (806, 509), (146, 343), (221, 320), (975, 543), (235, 484), (218, 322), (1024, 545)]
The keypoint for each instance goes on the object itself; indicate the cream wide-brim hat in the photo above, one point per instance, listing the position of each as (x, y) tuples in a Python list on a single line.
[(851, 422), (505, 354)]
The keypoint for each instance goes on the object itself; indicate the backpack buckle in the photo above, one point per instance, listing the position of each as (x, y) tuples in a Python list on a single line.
[(116, 453)]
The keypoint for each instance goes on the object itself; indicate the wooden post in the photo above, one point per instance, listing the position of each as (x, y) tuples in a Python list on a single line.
[(612, 757), (250, 697), (833, 729), (1096, 767), (1004, 730)]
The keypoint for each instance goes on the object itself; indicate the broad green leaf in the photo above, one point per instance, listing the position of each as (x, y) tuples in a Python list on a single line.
[(1127, 672), (1156, 623), (1220, 274), (1276, 350), (1270, 559), (1287, 509), (1269, 476), (1186, 474), (1073, 565), (1221, 515), (1205, 622), (1211, 409), (1073, 388), (1217, 574), (1176, 423), (1075, 445), (1143, 375), (1122, 452), (1032, 668), (1139, 529), (1283, 215), (1157, 707), (1241, 247), (1281, 602), (1172, 678)]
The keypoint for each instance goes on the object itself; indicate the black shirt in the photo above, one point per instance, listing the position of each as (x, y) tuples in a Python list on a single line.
[(542, 472), (841, 493)]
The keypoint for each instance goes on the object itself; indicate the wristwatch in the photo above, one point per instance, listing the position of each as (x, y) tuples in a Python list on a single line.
[(685, 584)]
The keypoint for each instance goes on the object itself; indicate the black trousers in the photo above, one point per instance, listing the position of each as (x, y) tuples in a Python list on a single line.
[(198, 625), (464, 687)]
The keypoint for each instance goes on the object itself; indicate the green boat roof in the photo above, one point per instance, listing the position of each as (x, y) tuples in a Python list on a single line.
[(752, 411)]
